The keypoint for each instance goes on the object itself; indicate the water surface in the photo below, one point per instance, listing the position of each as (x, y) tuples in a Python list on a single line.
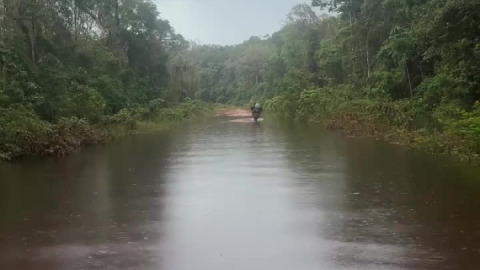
[(240, 196)]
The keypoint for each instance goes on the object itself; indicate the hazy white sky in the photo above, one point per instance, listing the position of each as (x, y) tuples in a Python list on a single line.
[(225, 22)]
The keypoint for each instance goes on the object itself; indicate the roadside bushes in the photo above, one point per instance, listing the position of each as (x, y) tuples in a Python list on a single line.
[(20, 128), (157, 112), (460, 129), (443, 87), (283, 105), (420, 121), (22, 133), (87, 103), (180, 111)]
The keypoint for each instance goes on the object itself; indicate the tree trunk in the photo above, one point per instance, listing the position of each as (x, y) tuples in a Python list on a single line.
[(32, 41), (4, 74), (2, 40), (352, 58), (409, 80), (28, 35), (368, 54), (117, 21), (351, 22), (75, 19), (116, 33), (117, 14)]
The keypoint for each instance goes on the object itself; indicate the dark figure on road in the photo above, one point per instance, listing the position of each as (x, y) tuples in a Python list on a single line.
[(256, 111)]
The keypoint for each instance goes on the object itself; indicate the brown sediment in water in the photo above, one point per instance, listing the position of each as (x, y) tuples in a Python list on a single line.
[(234, 113), (240, 115), (245, 120)]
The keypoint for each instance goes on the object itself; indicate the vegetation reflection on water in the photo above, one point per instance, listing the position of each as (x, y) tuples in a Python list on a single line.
[(240, 195)]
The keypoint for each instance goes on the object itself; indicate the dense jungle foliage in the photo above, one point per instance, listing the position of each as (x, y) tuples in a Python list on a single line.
[(71, 68), (405, 70)]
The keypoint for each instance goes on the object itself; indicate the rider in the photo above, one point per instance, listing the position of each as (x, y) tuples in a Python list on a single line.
[(256, 109)]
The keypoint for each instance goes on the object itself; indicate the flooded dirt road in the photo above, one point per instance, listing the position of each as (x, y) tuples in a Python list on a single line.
[(240, 196)]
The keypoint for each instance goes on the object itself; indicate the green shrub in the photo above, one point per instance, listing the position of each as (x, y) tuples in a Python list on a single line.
[(385, 84), (283, 105), (20, 129), (442, 87), (87, 103), (180, 112), (22, 133), (127, 117)]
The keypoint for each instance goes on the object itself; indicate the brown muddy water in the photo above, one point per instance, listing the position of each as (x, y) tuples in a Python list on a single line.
[(223, 195)]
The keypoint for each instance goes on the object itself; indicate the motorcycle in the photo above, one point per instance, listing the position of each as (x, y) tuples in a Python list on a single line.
[(256, 113)]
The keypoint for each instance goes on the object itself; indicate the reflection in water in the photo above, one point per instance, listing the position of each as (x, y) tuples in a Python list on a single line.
[(399, 209), (84, 212), (231, 195), (427, 205)]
